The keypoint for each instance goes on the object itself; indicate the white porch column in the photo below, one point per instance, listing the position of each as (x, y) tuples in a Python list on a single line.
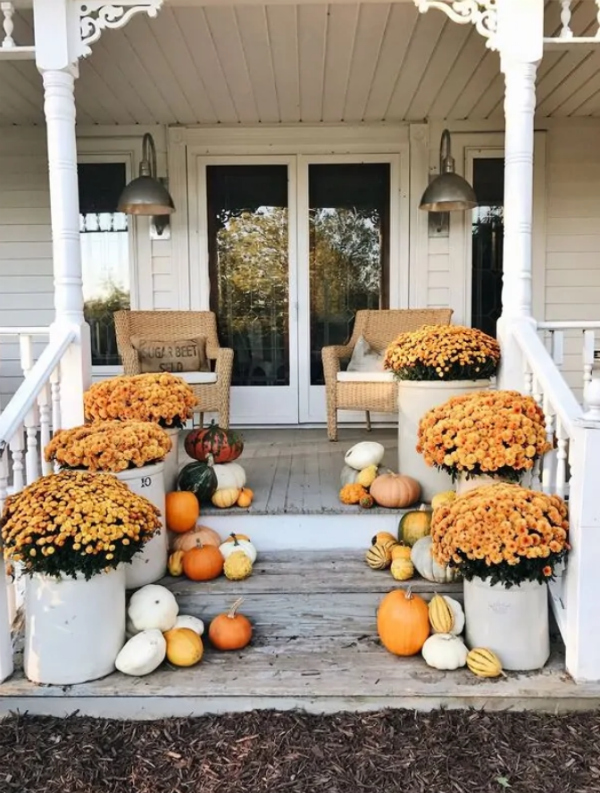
[(57, 40), (520, 42)]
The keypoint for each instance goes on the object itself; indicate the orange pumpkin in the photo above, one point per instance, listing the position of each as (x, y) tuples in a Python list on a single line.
[(245, 498), (395, 491), (230, 631), (203, 564), (181, 511), (196, 538), (403, 622)]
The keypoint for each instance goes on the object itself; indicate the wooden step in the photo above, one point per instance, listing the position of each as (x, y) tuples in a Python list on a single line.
[(302, 594)]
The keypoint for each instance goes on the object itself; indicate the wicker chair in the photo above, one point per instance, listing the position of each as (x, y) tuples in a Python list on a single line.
[(379, 328), (212, 396)]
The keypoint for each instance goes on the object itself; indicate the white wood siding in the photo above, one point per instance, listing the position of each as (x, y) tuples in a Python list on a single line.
[(26, 288)]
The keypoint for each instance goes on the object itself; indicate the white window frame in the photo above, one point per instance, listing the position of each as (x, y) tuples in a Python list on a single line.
[(128, 152)]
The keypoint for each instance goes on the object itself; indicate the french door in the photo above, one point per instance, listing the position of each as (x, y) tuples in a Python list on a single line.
[(290, 248)]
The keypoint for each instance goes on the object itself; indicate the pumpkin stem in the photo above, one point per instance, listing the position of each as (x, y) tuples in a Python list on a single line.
[(210, 460), (408, 594), (234, 608), (235, 539)]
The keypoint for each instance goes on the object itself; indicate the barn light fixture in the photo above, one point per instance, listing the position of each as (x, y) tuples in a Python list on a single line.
[(146, 195), (448, 192)]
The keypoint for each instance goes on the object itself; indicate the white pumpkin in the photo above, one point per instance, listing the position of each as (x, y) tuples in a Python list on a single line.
[(422, 558), (142, 654), (458, 613), (239, 545), (230, 475), (363, 454), (445, 651), (193, 623), (152, 606)]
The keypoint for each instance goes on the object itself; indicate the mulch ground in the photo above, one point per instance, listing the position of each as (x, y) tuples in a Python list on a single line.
[(438, 752)]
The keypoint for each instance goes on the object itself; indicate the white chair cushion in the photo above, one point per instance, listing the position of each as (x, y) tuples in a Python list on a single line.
[(198, 378), (365, 377)]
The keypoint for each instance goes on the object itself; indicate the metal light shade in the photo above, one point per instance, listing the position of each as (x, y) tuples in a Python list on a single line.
[(146, 195), (448, 192)]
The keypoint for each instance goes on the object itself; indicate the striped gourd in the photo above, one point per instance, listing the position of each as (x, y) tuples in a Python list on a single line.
[(441, 616), (484, 663), (379, 556)]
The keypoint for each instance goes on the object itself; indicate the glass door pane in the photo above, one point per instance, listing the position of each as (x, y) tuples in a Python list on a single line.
[(488, 242), (348, 250), (249, 269)]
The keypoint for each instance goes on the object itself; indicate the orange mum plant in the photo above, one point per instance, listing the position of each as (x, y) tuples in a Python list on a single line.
[(443, 352), (76, 522), (502, 531), (498, 433), (110, 446), (160, 398)]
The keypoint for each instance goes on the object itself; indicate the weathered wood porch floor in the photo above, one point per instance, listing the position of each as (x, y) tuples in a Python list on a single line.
[(315, 648)]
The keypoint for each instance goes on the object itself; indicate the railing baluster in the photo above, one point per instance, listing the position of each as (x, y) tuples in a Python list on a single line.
[(55, 392), (528, 378), (536, 390), (562, 442), (45, 435), (558, 347), (565, 18), (589, 345), (3, 478), (549, 460), (17, 447)]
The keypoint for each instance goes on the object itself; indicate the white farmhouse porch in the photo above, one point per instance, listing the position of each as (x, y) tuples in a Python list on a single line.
[(364, 87)]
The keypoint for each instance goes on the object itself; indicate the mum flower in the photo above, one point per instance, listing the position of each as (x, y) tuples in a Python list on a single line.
[(443, 352), (485, 432), (159, 398), (518, 535), (76, 522)]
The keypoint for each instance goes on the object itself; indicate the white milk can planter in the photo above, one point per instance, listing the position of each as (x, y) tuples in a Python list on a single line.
[(150, 564), (172, 460), (415, 398), (511, 622), (464, 484), (74, 629)]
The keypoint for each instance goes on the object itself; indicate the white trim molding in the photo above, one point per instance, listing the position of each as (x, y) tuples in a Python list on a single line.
[(481, 13), (97, 15)]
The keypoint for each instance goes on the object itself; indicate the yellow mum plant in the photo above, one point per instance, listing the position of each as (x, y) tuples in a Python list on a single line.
[(443, 352), (498, 433), (502, 531), (111, 446), (160, 398), (76, 522)]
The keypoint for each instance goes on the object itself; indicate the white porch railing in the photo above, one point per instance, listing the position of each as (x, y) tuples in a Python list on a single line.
[(571, 472), (26, 426), (566, 338)]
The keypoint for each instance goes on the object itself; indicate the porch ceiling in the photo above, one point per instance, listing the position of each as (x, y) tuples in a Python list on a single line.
[(285, 63)]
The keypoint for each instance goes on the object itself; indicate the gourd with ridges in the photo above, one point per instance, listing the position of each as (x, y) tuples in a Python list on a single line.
[(441, 616), (198, 478), (352, 494), (484, 663), (224, 446), (379, 556)]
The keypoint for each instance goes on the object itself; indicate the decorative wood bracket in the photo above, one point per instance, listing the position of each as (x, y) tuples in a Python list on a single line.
[(483, 14), (97, 15)]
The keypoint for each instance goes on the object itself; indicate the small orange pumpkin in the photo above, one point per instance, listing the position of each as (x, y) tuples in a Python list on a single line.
[(395, 491), (230, 631), (245, 498), (400, 552), (181, 511), (403, 622), (196, 538), (203, 564)]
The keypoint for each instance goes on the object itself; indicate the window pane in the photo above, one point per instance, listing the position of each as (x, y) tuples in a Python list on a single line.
[(104, 235), (349, 250), (249, 268), (488, 242)]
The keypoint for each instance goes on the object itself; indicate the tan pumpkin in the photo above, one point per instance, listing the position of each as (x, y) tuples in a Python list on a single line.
[(226, 497), (395, 491), (402, 569), (379, 556), (196, 538)]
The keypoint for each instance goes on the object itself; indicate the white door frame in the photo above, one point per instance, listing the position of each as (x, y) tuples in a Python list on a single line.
[(312, 398), (249, 404)]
